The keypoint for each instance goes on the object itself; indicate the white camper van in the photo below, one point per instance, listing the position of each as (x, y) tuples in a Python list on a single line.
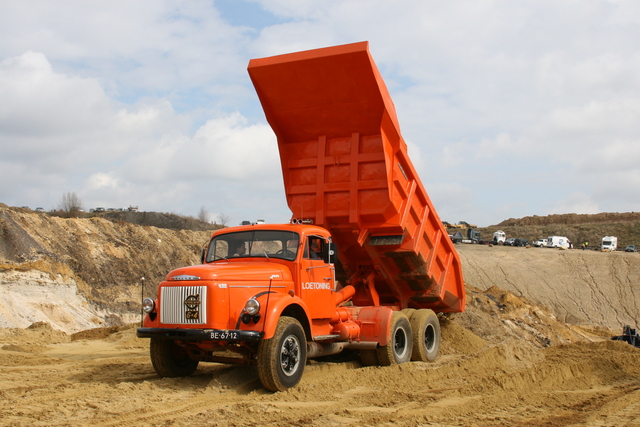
[(558, 242), (499, 236), (609, 243)]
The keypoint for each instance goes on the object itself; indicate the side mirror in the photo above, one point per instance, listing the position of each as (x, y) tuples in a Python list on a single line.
[(330, 254)]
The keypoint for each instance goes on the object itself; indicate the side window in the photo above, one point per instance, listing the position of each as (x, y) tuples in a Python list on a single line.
[(313, 247)]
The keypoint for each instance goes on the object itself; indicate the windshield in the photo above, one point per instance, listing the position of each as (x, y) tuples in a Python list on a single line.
[(253, 244)]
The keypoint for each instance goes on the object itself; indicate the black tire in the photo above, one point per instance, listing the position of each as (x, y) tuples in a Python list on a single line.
[(281, 359), (171, 360), (426, 336), (369, 357), (399, 348)]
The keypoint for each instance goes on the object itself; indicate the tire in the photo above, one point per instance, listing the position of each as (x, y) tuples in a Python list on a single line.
[(426, 336), (171, 360), (399, 348), (281, 359), (409, 312), (369, 357)]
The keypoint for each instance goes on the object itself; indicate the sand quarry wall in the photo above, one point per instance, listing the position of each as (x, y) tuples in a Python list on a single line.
[(77, 274), (579, 287)]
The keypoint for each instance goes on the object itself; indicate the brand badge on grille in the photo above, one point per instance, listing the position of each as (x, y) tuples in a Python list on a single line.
[(192, 307)]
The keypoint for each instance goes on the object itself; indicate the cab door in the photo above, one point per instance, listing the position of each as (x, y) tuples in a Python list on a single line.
[(317, 279)]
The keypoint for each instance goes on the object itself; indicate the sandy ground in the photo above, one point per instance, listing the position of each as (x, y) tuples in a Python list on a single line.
[(104, 378), (532, 348)]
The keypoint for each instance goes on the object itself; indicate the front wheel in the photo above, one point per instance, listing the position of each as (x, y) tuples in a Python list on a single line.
[(398, 350), (171, 360), (281, 359), (426, 336)]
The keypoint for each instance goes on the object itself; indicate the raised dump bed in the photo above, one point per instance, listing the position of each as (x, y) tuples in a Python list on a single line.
[(346, 168)]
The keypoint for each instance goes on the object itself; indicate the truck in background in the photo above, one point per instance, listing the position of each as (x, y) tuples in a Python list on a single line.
[(364, 264), (450, 225), (609, 243), (465, 224), (558, 242), (473, 236), (499, 237)]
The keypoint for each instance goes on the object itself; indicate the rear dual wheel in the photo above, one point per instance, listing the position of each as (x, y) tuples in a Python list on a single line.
[(426, 335), (421, 337)]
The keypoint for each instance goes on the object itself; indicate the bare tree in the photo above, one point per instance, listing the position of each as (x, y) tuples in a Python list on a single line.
[(223, 219), (71, 204), (203, 215)]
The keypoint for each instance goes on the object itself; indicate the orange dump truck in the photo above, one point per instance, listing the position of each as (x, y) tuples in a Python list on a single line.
[(364, 264)]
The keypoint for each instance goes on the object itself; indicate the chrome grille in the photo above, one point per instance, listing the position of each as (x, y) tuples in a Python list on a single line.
[(183, 305)]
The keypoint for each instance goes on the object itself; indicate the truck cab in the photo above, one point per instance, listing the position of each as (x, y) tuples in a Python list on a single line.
[(248, 270), (499, 237)]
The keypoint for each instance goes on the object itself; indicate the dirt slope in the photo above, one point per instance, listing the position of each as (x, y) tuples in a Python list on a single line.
[(94, 264), (579, 287)]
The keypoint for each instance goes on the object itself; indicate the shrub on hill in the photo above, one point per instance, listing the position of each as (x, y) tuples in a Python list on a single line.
[(154, 219)]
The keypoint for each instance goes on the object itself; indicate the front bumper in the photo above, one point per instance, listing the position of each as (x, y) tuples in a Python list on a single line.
[(199, 334)]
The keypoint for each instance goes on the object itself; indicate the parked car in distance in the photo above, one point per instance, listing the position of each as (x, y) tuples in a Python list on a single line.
[(509, 241), (520, 242), (630, 248), (540, 243)]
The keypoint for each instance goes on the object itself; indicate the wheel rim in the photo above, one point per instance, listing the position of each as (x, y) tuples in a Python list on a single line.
[(429, 338), (290, 355), (400, 342)]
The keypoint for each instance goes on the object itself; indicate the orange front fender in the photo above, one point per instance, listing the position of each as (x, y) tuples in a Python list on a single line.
[(275, 304)]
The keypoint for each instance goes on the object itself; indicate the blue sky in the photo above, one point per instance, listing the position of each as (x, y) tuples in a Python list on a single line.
[(509, 109)]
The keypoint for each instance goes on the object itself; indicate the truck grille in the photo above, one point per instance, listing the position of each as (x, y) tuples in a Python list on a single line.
[(183, 305)]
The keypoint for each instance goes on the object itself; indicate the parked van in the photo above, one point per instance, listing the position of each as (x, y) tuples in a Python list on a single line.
[(609, 243), (558, 242)]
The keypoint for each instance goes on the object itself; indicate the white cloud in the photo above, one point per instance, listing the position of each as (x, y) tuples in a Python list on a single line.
[(40, 103), (509, 107), (231, 149), (99, 181)]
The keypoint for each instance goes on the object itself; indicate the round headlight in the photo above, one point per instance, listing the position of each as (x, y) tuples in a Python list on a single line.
[(148, 305), (252, 307)]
